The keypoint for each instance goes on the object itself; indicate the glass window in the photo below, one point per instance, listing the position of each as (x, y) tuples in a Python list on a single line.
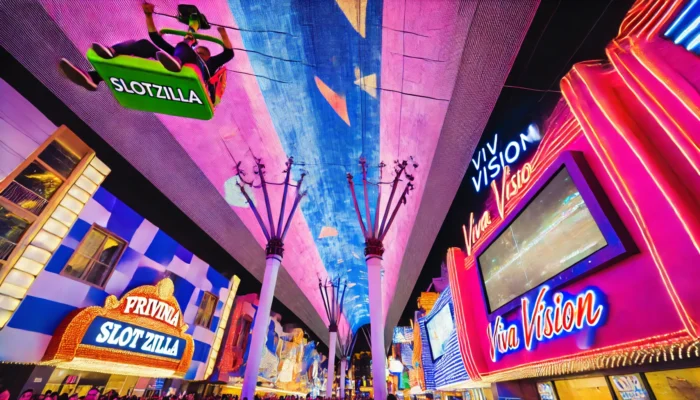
[(678, 384), (59, 158), (32, 188), (12, 228), (206, 310), (628, 387), (96, 257), (546, 391), (39, 180), (593, 388)]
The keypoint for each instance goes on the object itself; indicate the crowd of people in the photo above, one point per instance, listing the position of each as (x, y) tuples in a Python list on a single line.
[(94, 394)]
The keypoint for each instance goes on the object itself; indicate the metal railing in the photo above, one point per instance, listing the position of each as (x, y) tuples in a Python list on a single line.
[(25, 198)]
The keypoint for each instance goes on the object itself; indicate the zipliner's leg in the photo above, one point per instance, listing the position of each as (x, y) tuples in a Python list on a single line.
[(183, 54), (78, 76), (89, 80), (140, 48)]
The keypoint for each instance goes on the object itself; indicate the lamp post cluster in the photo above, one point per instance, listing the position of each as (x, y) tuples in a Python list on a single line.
[(274, 251), (333, 295), (374, 233)]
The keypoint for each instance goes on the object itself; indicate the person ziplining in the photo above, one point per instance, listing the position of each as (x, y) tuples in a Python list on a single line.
[(137, 83)]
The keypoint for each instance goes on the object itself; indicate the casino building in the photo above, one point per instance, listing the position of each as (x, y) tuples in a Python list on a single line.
[(92, 293), (578, 276)]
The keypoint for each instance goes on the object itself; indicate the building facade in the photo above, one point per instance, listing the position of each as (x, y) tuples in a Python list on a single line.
[(69, 247), (577, 280)]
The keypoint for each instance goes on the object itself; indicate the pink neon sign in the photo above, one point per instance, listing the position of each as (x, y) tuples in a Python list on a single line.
[(548, 316)]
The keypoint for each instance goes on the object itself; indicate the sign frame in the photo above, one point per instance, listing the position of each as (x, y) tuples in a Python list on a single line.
[(67, 344)]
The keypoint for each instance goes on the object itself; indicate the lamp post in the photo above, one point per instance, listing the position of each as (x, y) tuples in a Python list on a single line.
[(346, 347), (333, 295), (374, 234), (274, 251)]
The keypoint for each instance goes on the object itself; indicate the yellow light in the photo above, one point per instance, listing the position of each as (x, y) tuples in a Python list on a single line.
[(72, 204), (92, 174), (39, 255), (55, 227), (64, 215), (100, 166), (8, 303), (86, 184), (268, 390), (79, 194), (19, 278), (4, 317), (109, 367), (223, 320), (12, 290), (46, 240), (27, 265)]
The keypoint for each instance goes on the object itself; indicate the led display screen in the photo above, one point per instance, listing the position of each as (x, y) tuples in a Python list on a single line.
[(439, 328), (552, 233)]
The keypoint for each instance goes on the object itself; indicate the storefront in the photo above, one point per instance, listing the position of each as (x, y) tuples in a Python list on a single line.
[(91, 292), (142, 334), (578, 275)]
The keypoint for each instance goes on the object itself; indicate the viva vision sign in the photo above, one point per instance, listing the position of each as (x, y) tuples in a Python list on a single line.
[(491, 159), (549, 315)]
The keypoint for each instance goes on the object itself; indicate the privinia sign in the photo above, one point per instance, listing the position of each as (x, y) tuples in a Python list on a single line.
[(491, 160), (549, 315), (144, 329)]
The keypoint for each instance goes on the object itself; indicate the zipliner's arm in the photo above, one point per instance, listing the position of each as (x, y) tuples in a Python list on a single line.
[(153, 34), (217, 61)]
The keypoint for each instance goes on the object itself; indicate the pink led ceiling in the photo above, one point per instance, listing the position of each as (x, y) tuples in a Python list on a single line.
[(336, 81)]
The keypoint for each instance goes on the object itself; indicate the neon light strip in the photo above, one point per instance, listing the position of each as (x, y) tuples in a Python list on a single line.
[(452, 266), (600, 351), (619, 65), (629, 203), (664, 79), (647, 168), (674, 6), (687, 30), (680, 18)]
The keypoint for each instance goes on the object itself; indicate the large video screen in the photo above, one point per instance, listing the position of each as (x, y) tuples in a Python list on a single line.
[(439, 328), (552, 233)]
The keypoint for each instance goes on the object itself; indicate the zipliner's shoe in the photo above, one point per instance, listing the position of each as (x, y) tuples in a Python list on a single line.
[(77, 75), (169, 62), (102, 51)]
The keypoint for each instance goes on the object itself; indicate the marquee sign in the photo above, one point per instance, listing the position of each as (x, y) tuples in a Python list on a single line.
[(140, 334), (548, 316), (492, 159)]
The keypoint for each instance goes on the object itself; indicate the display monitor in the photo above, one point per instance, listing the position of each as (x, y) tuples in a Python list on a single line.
[(439, 328), (553, 232)]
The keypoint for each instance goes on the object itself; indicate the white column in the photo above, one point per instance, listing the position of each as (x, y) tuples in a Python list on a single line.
[(343, 367), (260, 326), (374, 278), (331, 364)]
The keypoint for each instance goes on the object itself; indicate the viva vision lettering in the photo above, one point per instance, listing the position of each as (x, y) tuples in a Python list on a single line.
[(491, 160), (154, 91), (548, 316)]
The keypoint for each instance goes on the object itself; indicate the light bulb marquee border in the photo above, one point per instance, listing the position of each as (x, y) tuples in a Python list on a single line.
[(68, 349)]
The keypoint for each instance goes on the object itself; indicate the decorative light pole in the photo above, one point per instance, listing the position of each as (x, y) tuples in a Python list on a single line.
[(346, 347), (274, 251), (333, 295), (374, 234)]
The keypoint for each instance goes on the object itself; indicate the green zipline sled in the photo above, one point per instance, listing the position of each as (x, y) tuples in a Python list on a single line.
[(145, 85)]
